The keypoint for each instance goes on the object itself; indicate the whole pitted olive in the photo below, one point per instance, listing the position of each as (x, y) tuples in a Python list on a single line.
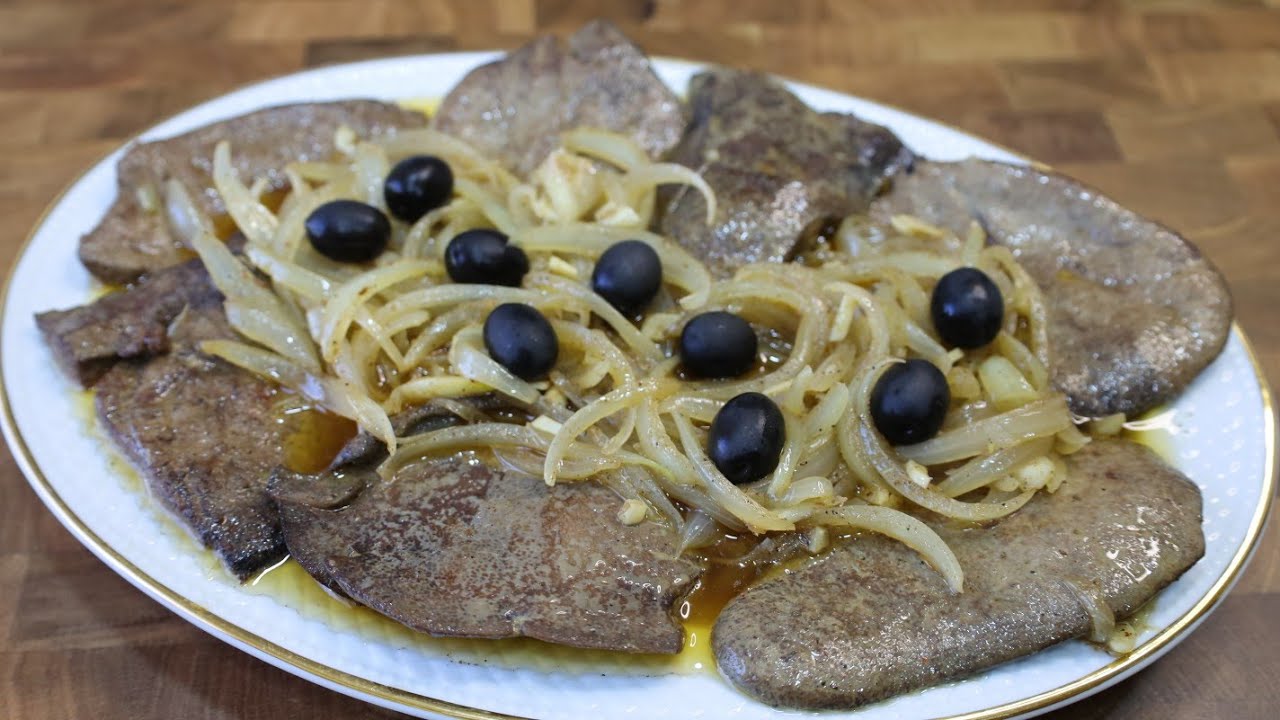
[(416, 186), (521, 339), (718, 344), (485, 257), (628, 275), (348, 231), (967, 308), (746, 438), (909, 402)]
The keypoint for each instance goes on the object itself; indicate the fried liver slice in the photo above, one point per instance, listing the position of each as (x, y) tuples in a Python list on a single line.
[(777, 167), (1135, 312), (515, 109), (135, 238), (205, 436), (88, 340), (870, 619), (454, 547)]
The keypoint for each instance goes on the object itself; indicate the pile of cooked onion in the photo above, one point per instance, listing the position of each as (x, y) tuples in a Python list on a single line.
[(368, 340)]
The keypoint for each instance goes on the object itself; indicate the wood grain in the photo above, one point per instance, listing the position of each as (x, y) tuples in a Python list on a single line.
[(1172, 107)]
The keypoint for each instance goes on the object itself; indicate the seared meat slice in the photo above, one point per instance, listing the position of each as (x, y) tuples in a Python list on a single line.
[(87, 340), (1135, 311), (871, 620), (515, 109), (776, 167), (134, 238), (205, 435), (454, 547)]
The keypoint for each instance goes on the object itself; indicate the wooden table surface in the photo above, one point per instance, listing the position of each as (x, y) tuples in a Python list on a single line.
[(1172, 107)]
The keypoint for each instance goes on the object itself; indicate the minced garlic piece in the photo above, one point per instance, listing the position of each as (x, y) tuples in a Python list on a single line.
[(148, 198), (632, 512), (918, 473), (345, 140), (1035, 474), (617, 215), (817, 539), (567, 187), (963, 384), (544, 424)]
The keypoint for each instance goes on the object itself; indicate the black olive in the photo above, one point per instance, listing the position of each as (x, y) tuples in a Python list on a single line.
[(746, 438), (718, 344), (967, 308), (485, 257), (348, 231), (416, 186), (521, 340), (628, 275), (909, 402)]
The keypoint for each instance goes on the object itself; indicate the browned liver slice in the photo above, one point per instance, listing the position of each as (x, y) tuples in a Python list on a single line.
[(87, 340), (205, 436), (131, 240), (871, 620), (452, 547), (776, 166), (514, 109), (1135, 311)]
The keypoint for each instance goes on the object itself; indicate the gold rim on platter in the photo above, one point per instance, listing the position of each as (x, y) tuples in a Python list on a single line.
[(392, 697)]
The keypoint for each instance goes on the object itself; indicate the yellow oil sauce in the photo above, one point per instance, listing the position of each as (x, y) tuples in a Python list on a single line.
[(721, 582), (1157, 430), (290, 585), (87, 414), (132, 481), (314, 437), (1128, 632)]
